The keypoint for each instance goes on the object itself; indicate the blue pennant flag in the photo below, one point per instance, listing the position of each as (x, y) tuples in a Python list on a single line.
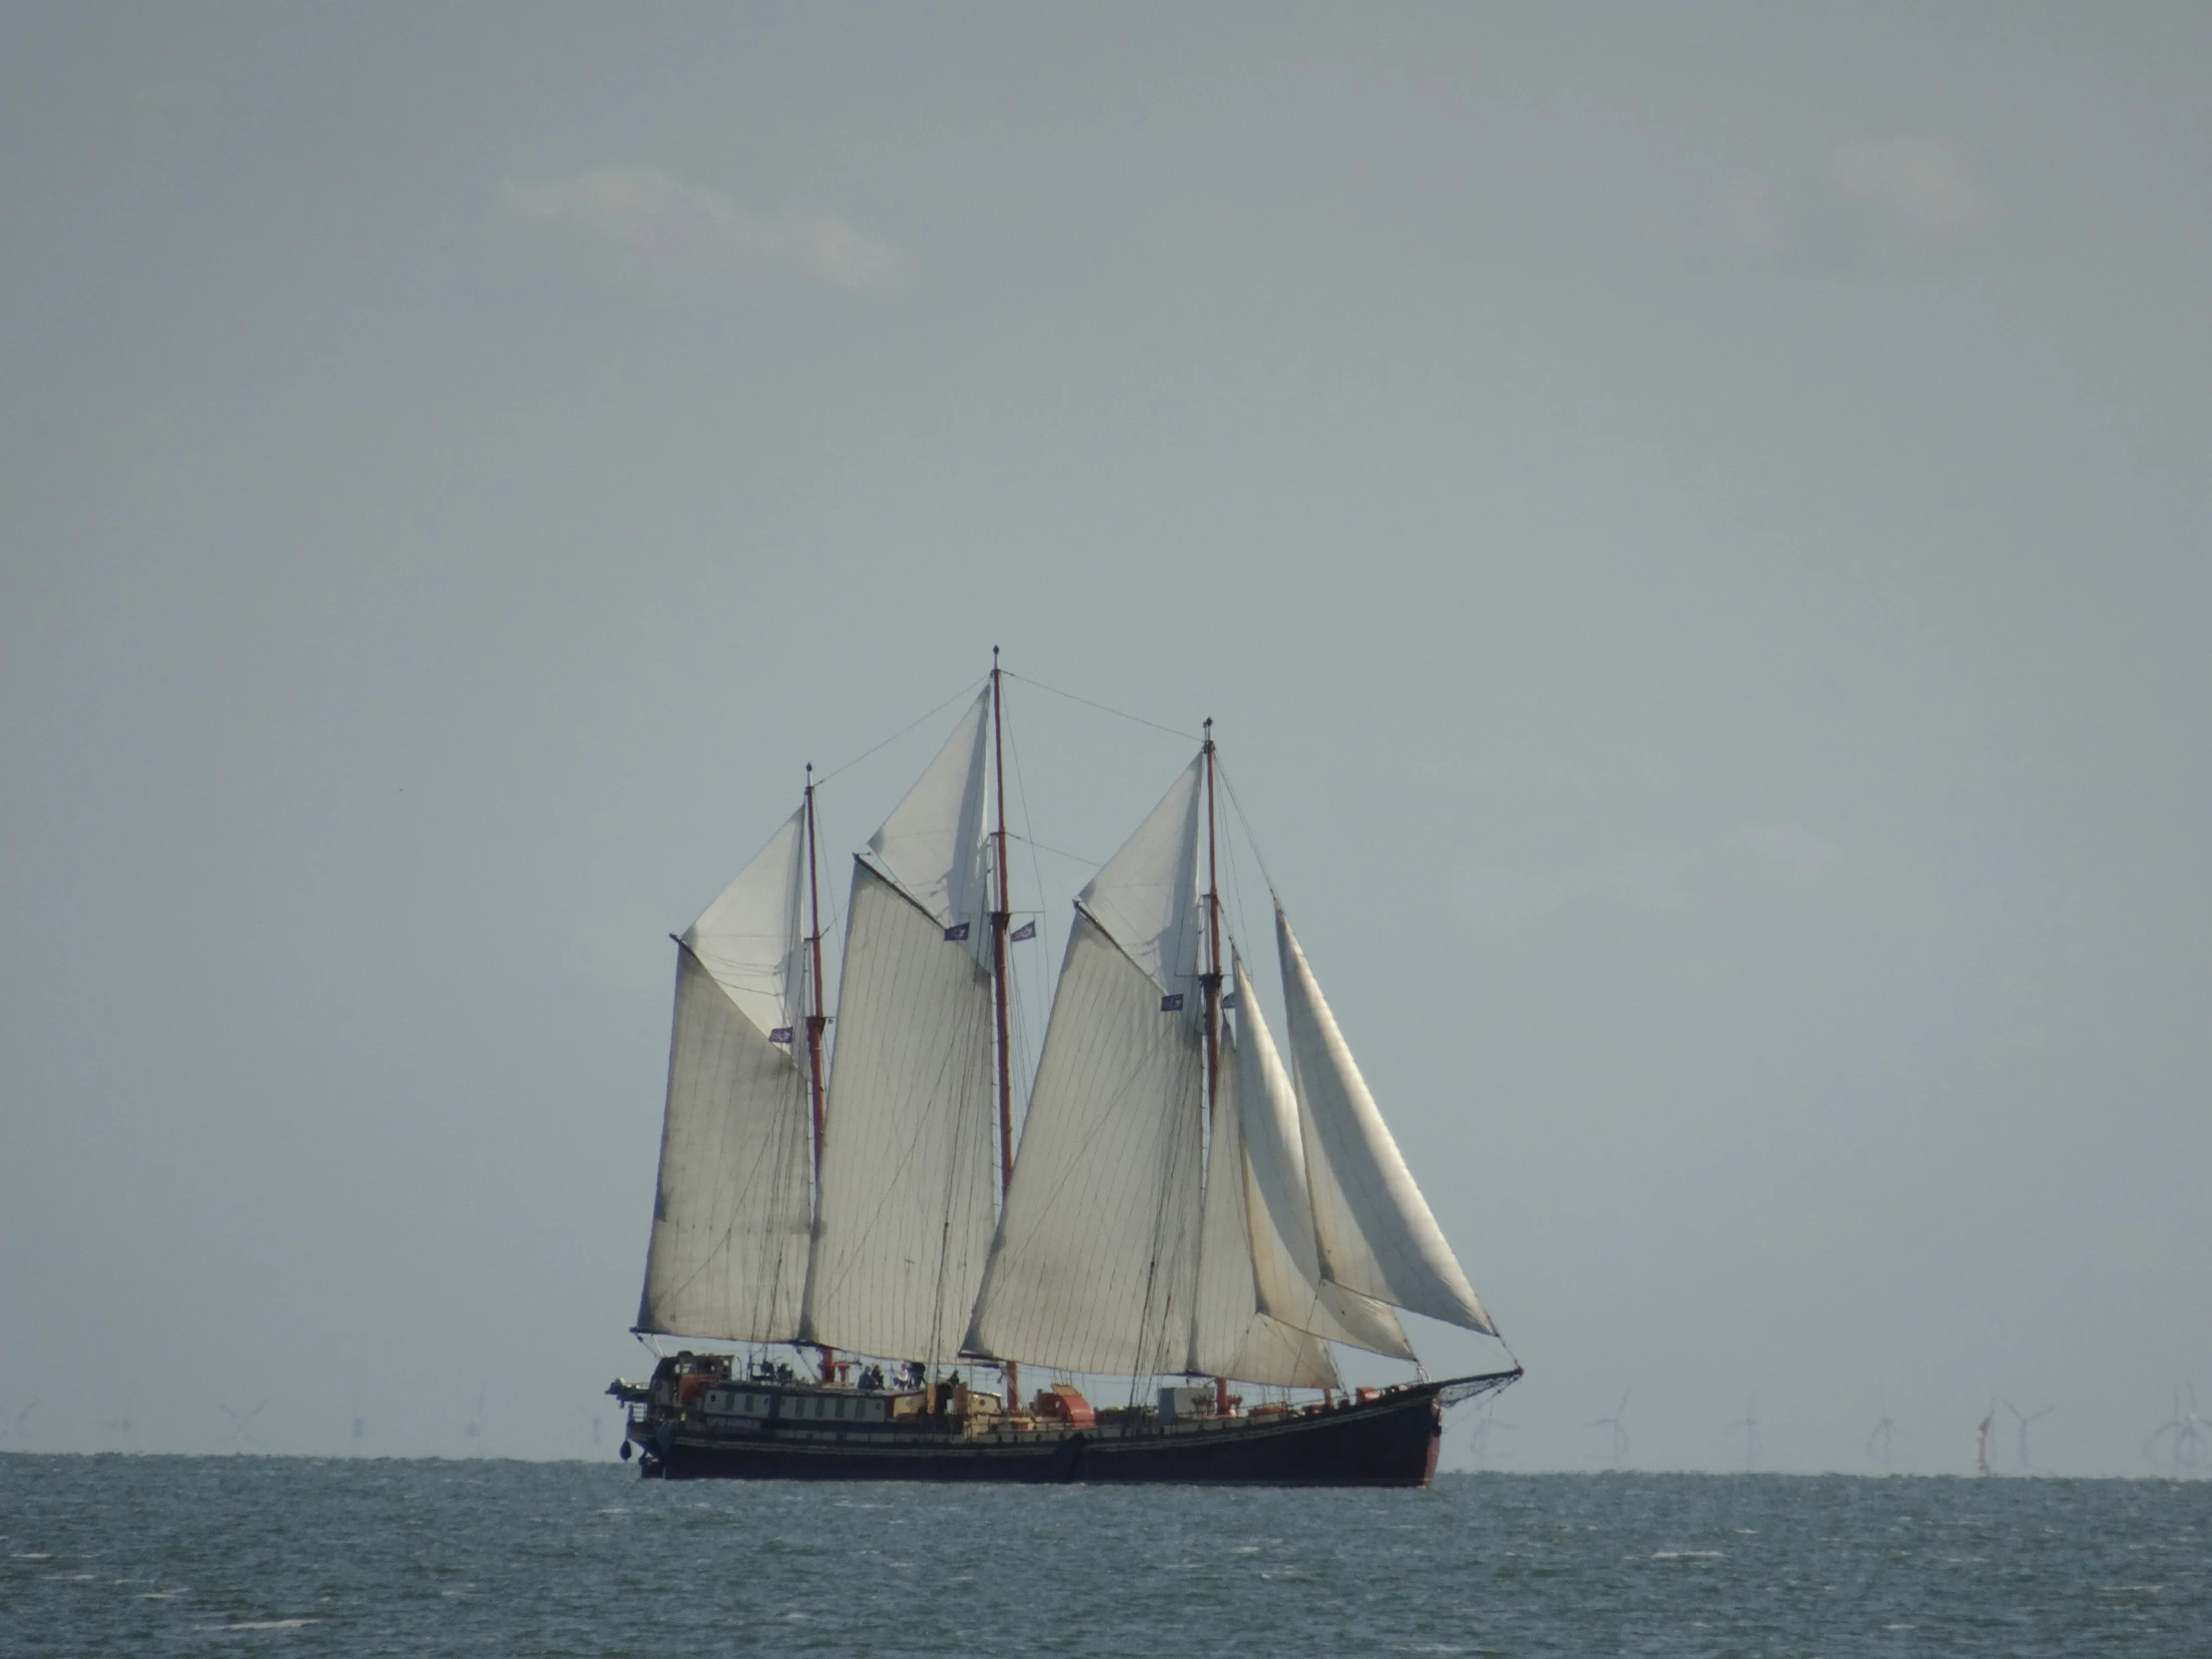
[(782, 1035), (1228, 1000), (1027, 930), (959, 930), (1172, 1003)]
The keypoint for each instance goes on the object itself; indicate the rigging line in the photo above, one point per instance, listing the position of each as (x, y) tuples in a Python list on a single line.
[(1245, 818), (901, 732), (1118, 713), (1036, 846), (1044, 926), (1236, 883)]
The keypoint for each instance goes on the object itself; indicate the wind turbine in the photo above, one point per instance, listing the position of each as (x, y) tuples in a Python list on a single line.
[(2179, 1441), (1748, 1423), (241, 1425), (1881, 1445), (1982, 1441), (1620, 1428), (13, 1429), (2023, 1421), (475, 1428)]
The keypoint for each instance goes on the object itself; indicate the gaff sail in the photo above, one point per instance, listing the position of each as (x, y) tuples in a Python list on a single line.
[(1095, 1260), (907, 1162), (733, 1205)]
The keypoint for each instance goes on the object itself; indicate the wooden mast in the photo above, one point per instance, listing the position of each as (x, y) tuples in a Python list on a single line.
[(816, 1020), (1002, 917), (1211, 980)]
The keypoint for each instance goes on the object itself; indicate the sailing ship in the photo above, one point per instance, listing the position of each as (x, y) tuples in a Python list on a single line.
[(1185, 1206)]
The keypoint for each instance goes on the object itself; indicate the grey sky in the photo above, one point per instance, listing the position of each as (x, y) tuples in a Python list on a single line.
[(1692, 522)]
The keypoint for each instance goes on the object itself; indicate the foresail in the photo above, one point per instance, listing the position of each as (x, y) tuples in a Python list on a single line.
[(1375, 1230), (1096, 1256), (1285, 1256), (1230, 1336), (732, 1210), (908, 1163)]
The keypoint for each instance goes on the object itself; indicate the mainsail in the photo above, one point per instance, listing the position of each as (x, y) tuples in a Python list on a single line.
[(727, 1256), (1375, 1230), (1095, 1260), (904, 1209)]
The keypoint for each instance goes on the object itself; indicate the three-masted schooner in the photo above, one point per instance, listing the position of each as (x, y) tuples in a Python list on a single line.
[(1183, 1204)]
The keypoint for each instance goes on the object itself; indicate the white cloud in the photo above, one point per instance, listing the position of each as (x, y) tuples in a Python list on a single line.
[(1917, 183), (1871, 196), (649, 225), (1788, 857)]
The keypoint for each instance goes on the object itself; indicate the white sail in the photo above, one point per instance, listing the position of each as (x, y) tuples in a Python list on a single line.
[(1095, 1260), (1230, 1336), (932, 846), (1146, 898), (1285, 1256), (728, 1256), (1375, 1230), (908, 1156)]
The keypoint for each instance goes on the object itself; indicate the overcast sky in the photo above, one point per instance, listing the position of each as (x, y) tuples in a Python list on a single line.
[(1692, 522)]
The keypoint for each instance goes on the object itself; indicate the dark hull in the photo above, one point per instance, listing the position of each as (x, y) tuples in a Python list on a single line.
[(1387, 1441)]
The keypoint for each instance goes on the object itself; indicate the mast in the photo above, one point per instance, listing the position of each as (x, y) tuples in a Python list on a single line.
[(815, 1019), (1001, 916), (1211, 980)]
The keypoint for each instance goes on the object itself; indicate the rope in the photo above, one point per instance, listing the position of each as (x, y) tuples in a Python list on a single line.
[(964, 690), (1036, 845), (1245, 821), (1118, 713)]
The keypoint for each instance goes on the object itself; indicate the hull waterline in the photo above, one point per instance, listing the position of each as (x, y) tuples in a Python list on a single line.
[(1390, 1439)]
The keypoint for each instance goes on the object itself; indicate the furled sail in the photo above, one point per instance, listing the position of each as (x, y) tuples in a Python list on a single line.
[(1095, 1260), (728, 1256), (1230, 1336), (1284, 1255), (908, 1163), (1375, 1230)]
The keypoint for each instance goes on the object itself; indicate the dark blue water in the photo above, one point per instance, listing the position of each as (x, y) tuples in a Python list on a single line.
[(161, 1555)]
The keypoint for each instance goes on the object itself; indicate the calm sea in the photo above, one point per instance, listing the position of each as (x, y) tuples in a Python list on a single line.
[(226, 1555)]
